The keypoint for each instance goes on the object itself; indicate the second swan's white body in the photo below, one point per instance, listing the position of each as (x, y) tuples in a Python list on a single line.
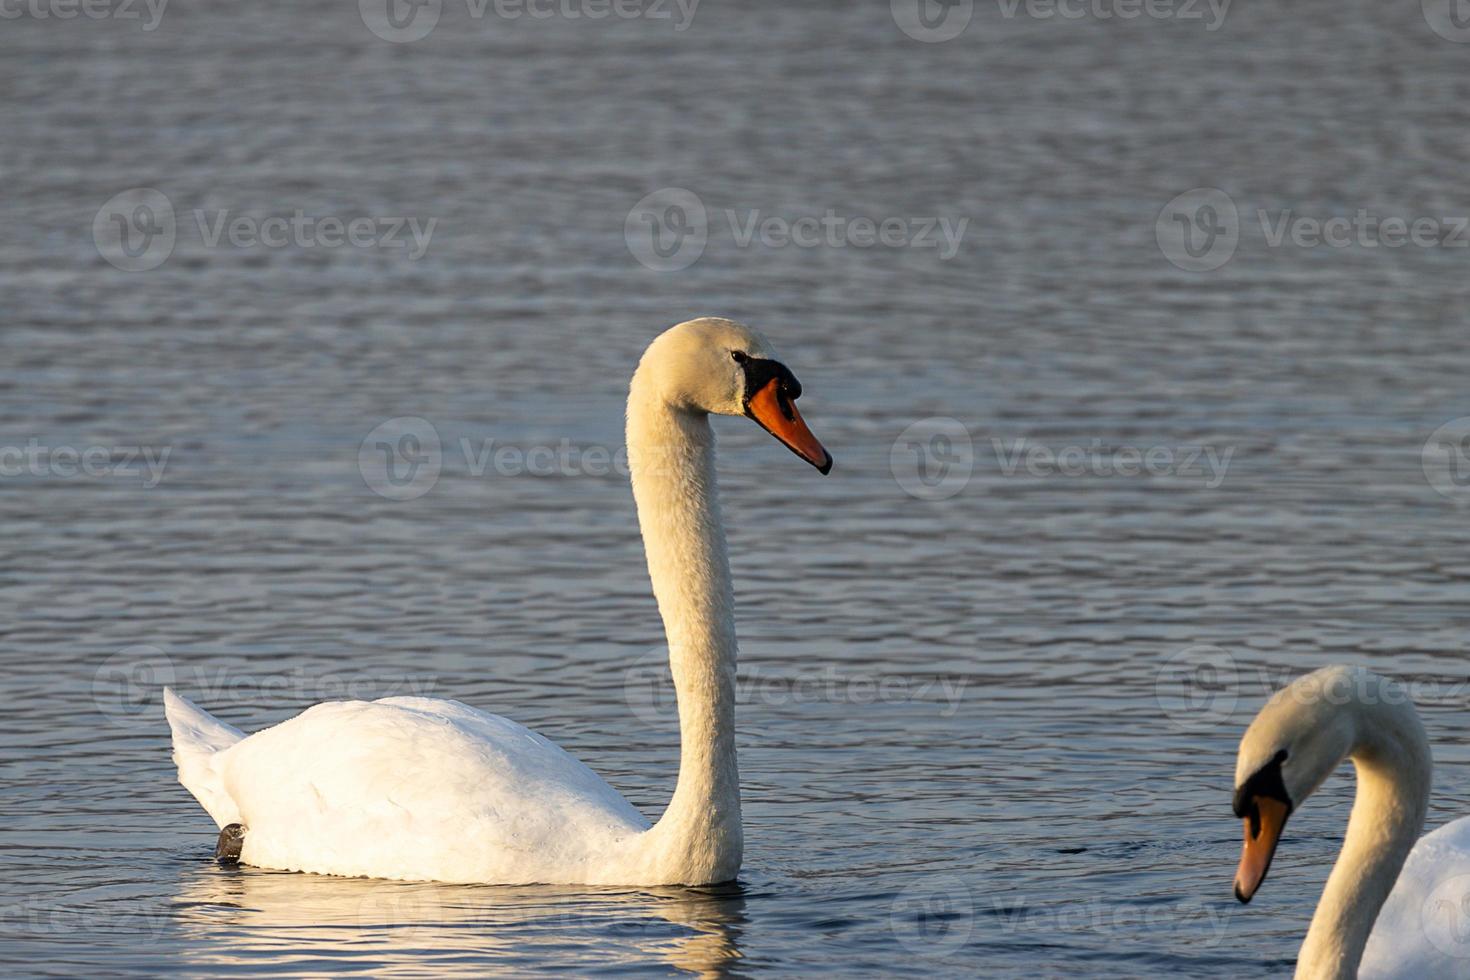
[(1423, 931)]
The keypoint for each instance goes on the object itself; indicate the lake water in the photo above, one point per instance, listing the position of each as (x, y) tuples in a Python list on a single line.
[(991, 688)]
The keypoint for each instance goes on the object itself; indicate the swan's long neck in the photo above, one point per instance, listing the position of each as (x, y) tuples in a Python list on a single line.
[(1392, 759), (671, 458)]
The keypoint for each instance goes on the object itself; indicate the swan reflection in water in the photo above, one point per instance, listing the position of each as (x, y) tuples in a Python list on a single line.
[(300, 923)]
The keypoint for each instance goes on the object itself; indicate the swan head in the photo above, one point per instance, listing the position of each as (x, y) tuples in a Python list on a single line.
[(716, 366), (1303, 733)]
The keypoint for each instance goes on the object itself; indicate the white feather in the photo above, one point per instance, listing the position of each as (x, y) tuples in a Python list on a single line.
[(1423, 931)]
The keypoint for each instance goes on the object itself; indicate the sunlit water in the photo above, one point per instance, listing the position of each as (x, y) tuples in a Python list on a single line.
[(987, 726)]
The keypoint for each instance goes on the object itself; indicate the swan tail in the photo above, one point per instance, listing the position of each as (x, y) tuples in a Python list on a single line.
[(199, 737)]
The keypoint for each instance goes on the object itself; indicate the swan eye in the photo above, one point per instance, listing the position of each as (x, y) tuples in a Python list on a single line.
[(740, 356)]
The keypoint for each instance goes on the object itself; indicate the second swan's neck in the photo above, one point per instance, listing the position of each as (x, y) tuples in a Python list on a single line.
[(1392, 758), (671, 461)]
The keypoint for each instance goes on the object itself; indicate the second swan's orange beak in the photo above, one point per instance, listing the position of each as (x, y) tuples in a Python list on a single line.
[(1263, 826), (773, 407)]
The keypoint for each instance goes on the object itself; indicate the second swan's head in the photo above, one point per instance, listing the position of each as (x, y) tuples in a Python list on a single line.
[(718, 366), (1300, 737)]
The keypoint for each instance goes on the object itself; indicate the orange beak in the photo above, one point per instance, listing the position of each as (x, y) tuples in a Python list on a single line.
[(1263, 826), (777, 414)]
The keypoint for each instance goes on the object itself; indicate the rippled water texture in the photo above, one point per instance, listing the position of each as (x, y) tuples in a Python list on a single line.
[(989, 703)]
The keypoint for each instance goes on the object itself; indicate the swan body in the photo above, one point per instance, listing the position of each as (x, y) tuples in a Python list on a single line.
[(1395, 905), (422, 789), (1423, 932)]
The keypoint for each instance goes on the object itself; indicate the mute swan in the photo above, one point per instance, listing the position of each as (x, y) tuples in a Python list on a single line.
[(419, 789), (1300, 737)]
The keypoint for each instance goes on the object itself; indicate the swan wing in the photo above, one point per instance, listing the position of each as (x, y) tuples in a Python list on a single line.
[(1423, 931), (416, 788), (198, 739)]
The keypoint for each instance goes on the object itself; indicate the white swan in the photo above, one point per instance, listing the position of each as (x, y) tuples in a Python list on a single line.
[(420, 789), (1300, 737)]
